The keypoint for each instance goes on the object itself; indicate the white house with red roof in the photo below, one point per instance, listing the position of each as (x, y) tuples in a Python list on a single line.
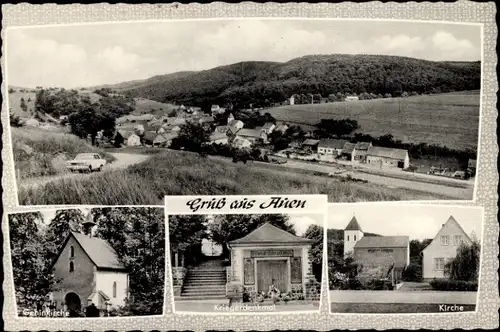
[(88, 270), (271, 254), (443, 248)]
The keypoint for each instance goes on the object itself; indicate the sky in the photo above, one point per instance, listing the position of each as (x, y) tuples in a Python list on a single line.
[(94, 54), (48, 215), (414, 220)]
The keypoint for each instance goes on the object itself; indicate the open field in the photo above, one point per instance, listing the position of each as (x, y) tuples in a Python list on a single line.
[(15, 102), (450, 120), (181, 173), (147, 106), (38, 152)]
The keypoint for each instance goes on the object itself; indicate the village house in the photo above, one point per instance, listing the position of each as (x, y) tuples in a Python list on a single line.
[(360, 151), (63, 117), (331, 147), (148, 138), (379, 256), (270, 254), (133, 140), (291, 100), (241, 143), (235, 124), (218, 138), (268, 127), (171, 128), (442, 249), (175, 121), (89, 271), (253, 135), (282, 128), (351, 98), (347, 150), (310, 145), (388, 157)]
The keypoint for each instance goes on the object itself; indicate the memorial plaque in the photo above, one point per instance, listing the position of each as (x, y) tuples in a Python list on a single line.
[(249, 271), (272, 253), (296, 270)]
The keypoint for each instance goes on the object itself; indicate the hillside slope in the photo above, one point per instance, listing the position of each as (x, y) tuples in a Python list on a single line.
[(254, 82)]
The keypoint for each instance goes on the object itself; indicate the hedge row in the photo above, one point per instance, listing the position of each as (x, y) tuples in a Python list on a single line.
[(453, 285)]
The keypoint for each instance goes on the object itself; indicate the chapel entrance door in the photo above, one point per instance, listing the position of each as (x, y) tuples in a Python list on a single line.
[(267, 270)]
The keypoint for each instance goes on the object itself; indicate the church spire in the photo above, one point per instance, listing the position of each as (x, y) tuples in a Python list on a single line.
[(353, 225)]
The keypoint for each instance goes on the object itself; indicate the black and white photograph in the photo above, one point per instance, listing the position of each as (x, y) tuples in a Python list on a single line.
[(128, 112), (246, 263), (88, 262), (400, 258)]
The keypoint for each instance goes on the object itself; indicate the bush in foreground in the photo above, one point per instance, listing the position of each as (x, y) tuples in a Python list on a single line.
[(453, 285)]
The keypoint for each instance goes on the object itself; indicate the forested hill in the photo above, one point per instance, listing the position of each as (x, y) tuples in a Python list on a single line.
[(267, 82)]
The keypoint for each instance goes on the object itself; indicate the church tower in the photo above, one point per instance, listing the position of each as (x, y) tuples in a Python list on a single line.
[(352, 234)]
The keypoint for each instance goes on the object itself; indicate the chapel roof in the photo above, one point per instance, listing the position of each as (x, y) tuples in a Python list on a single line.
[(268, 234)]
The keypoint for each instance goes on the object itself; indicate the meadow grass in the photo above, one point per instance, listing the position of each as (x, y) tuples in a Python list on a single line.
[(450, 120), (46, 149), (180, 173)]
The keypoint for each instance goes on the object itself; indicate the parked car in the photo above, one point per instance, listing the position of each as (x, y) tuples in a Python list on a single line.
[(86, 162)]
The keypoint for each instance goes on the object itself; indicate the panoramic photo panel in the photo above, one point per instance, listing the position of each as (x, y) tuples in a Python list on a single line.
[(240, 262), (402, 258), (88, 262), (358, 110)]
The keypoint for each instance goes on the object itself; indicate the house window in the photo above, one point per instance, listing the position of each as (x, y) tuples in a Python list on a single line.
[(439, 264), (71, 267), (444, 240), (458, 239), (354, 237), (347, 237), (71, 252), (114, 289)]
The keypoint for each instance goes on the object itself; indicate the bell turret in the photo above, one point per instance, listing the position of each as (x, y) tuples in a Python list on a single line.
[(88, 225)]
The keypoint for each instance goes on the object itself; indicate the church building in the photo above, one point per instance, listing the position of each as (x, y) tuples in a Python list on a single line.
[(379, 256), (271, 254), (87, 270)]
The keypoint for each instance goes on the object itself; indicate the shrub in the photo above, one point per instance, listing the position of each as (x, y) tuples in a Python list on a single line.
[(413, 273), (453, 285), (379, 284)]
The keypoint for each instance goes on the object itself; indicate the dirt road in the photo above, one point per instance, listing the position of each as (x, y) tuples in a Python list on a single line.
[(122, 160), (391, 182)]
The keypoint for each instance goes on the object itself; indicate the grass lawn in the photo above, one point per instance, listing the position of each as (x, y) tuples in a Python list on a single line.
[(180, 173), (377, 308), (451, 120)]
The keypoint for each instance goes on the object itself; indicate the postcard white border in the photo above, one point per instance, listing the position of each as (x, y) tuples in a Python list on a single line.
[(353, 206), (8, 257), (245, 212)]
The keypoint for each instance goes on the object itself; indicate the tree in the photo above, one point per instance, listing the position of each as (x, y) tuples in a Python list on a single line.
[(465, 265), (192, 136), (138, 237), (15, 121), (23, 105), (64, 222), (315, 232), (118, 140), (226, 228), (339, 128), (32, 279), (186, 233), (89, 120)]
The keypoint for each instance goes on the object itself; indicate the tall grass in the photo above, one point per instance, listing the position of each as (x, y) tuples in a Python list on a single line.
[(46, 149), (180, 173)]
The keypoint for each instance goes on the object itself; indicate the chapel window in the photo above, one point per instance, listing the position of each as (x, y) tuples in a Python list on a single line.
[(114, 289), (71, 267), (71, 252)]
